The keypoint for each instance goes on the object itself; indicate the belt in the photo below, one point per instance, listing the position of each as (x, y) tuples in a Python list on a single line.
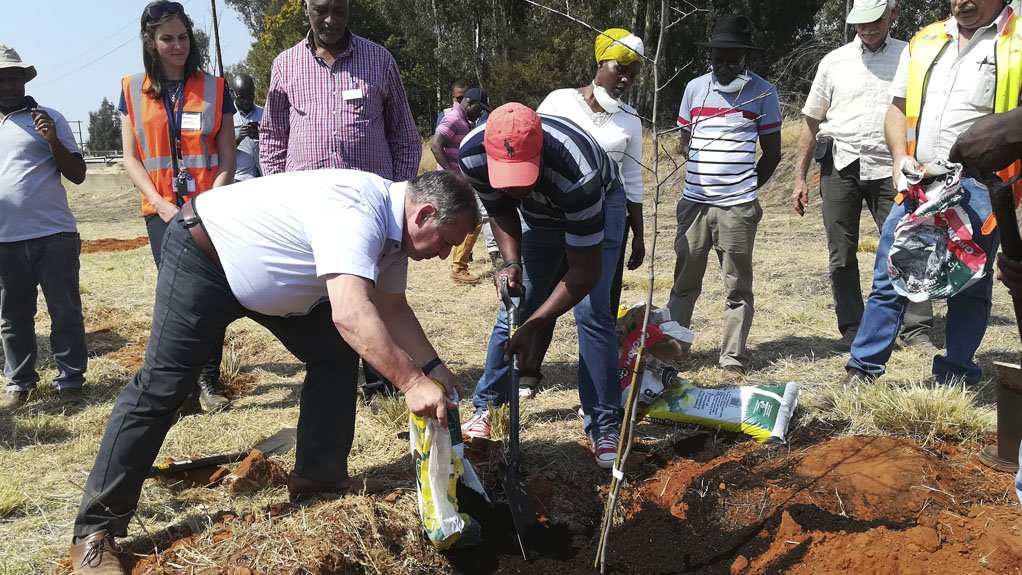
[(193, 224)]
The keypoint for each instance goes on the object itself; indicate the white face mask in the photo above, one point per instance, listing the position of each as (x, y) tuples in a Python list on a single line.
[(605, 100), (733, 86)]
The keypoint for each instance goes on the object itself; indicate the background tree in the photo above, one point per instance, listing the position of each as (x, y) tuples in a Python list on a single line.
[(518, 51), (104, 129)]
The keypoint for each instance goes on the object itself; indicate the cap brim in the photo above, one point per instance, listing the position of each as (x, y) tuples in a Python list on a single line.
[(725, 44), (505, 174), (865, 15), (30, 72)]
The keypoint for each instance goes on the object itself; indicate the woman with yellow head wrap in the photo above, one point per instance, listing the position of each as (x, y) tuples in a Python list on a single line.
[(597, 108)]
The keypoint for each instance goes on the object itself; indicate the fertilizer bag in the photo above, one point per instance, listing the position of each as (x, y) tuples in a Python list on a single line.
[(933, 254), (439, 464), (760, 411)]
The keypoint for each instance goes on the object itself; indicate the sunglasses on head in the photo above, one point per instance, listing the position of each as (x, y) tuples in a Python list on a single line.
[(157, 11)]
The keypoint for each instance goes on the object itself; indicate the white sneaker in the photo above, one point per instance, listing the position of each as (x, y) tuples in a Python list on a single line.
[(478, 426)]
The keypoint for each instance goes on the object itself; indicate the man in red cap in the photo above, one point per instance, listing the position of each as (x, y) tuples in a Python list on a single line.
[(557, 209)]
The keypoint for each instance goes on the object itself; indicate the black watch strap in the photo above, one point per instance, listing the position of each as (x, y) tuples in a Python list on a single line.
[(431, 365)]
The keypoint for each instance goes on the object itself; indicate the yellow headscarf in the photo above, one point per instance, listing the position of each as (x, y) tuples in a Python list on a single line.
[(618, 44)]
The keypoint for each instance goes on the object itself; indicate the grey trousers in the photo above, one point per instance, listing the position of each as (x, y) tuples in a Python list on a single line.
[(843, 195), (50, 262), (731, 232)]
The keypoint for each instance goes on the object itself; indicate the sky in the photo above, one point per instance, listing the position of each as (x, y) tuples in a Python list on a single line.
[(81, 50)]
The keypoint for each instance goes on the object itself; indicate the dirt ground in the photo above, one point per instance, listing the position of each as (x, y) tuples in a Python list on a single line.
[(694, 500), (820, 505)]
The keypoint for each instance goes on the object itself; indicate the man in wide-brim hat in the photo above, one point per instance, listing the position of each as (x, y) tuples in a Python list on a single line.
[(723, 115), (39, 243)]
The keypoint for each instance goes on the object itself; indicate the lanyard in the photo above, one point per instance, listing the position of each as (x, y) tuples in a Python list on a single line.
[(174, 120)]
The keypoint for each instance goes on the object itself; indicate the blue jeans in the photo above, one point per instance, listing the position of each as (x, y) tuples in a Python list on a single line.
[(599, 387), (194, 304), (50, 262), (967, 312)]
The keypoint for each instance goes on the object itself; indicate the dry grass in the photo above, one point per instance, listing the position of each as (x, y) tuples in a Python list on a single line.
[(46, 449)]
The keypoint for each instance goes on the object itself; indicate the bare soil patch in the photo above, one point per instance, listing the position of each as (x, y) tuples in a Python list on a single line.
[(113, 245)]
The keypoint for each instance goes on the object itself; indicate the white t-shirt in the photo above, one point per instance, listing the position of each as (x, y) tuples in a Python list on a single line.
[(279, 236), (619, 134), (960, 89)]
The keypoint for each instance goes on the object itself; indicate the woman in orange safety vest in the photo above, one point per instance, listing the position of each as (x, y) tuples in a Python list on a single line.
[(174, 147)]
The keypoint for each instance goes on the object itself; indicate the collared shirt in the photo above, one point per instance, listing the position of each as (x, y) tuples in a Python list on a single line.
[(725, 128), (248, 149), (960, 89), (279, 236), (454, 127), (850, 96), (575, 175), (33, 201), (353, 114)]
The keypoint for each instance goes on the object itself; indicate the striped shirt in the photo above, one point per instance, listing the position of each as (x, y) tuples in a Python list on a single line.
[(453, 127), (850, 96), (575, 175), (353, 114), (725, 128)]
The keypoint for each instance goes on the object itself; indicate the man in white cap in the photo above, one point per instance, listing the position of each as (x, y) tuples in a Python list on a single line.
[(843, 129), (954, 73), (39, 243)]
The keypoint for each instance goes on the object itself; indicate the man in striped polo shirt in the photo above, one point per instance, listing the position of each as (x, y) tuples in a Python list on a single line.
[(723, 114), (562, 250)]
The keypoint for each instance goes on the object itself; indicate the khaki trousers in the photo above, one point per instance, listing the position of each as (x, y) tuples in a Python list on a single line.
[(731, 232)]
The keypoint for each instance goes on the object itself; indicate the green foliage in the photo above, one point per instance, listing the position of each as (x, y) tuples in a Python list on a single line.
[(104, 128), (518, 51)]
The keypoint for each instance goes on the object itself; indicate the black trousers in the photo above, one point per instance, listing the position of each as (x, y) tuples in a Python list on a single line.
[(843, 195), (194, 304)]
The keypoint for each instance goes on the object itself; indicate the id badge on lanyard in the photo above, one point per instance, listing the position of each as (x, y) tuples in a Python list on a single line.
[(184, 183)]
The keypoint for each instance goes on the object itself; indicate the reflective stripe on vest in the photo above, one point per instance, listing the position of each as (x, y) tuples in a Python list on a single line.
[(203, 95), (928, 46)]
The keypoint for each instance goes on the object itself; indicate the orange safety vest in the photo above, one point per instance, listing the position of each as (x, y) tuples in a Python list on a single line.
[(927, 46), (203, 95)]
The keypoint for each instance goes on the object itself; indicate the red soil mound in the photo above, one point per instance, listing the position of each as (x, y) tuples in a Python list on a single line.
[(113, 245)]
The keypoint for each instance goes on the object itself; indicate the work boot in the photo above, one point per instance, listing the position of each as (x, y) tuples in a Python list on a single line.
[(300, 489), (463, 277), (13, 398), (96, 555), (210, 397), (71, 395)]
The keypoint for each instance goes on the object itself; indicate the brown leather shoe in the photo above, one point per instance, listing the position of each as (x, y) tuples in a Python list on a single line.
[(300, 489), (96, 555)]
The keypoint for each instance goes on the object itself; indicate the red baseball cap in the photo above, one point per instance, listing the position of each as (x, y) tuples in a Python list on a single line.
[(513, 142)]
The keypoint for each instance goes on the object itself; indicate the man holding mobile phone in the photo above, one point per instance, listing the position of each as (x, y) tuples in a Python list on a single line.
[(246, 127), (39, 242)]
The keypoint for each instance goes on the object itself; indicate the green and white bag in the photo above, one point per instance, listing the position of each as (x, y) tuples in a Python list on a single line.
[(760, 411)]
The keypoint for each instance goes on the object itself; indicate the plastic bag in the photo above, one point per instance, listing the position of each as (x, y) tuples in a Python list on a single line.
[(760, 411), (439, 464), (934, 255)]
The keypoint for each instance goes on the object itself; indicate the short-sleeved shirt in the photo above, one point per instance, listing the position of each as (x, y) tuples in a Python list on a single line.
[(850, 96), (279, 236), (248, 150), (575, 175), (33, 201), (725, 128), (960, 89), (453, 127)]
